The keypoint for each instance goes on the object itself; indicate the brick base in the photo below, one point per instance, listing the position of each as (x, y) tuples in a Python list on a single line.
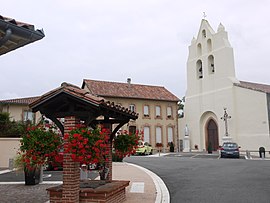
[(110, 192)]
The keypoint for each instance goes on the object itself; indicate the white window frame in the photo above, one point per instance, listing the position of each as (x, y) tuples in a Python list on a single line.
[(170, 134), (146, 134), (169, 111), (158, 111), (146, 110), (28, 116), (132, 107), (158, 134)]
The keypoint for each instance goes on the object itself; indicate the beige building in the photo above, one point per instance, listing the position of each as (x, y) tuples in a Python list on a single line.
[(19, 109), (212, 87), (156, 106)]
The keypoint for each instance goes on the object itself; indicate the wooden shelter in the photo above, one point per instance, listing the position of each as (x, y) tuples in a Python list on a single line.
[(76, 105)]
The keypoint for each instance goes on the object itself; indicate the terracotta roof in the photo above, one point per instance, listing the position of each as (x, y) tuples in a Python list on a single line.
[(20, 101), (126, 90), (254, 86), (83, 95), (15, 34)]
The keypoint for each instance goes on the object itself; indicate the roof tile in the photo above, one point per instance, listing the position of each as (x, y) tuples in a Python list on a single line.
[(20, 101), (126, 90), (254, 86)]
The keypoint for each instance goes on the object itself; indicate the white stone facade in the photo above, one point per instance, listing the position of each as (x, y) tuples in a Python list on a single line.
[(213, 86)]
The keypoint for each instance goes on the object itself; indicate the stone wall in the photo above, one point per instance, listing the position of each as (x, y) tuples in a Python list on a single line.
[(8, 150)]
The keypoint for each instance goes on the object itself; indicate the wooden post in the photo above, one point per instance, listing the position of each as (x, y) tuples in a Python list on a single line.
[(71, 170)]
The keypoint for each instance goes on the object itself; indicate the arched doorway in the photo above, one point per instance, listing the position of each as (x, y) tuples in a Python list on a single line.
[(212, 134)]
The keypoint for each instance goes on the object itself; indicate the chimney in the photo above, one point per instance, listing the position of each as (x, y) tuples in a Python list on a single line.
[(129, 81)]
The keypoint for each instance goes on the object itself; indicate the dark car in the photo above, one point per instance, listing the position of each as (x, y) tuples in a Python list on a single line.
[(229, 149)]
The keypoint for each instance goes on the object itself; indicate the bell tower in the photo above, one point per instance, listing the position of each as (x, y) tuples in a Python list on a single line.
[(210, 64)]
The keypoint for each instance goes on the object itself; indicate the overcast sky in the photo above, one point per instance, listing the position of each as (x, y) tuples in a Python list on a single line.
[(146, 40)]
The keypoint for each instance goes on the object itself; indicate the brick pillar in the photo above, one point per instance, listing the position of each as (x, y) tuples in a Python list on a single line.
[(108, 163), (71, 169)]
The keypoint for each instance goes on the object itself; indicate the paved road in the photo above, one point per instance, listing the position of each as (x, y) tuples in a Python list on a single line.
[(199, 180)]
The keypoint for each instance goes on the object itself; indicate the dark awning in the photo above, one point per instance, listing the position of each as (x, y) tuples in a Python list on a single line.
[(15, 34)]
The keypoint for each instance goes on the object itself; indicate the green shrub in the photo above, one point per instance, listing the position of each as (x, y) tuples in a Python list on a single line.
[(11, 128)]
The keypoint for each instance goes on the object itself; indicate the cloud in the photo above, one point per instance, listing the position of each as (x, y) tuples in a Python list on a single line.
[(146, 40)]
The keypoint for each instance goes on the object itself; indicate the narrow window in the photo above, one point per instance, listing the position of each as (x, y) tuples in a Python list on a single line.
[(199, 69), (146, 134), (157, 111), (204, 34), (169, 111), (132, 107), (146, 110), (132, 129), (158, 135), (170, 134), (28, 116), (199, 49), (211, 64), (209, 45)]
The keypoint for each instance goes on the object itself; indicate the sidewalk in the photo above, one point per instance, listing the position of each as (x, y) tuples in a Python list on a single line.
[(141, 187), (144, 187)]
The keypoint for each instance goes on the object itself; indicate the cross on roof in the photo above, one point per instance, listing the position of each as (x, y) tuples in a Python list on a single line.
[(204, 15)]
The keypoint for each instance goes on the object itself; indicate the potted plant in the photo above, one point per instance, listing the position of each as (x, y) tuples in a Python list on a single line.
[(159, 145), (40, 143), (90, 147), (126, 143), (171, 145)]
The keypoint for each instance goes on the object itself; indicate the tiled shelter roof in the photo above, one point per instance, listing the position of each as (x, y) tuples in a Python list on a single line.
[(128, 90), (82, 95)]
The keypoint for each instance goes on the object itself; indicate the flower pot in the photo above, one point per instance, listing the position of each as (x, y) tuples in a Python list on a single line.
[(32, 177)]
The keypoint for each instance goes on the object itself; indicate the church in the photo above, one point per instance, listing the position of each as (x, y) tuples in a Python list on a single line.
[(218, 106)]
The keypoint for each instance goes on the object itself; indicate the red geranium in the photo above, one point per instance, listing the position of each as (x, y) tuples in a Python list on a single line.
[(39, 144), (125, 143), (87, 146)]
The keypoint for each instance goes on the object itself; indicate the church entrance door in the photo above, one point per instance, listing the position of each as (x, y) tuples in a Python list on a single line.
[(212, 135)]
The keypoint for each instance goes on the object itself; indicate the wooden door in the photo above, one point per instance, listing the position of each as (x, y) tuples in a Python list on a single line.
[(212, 135)]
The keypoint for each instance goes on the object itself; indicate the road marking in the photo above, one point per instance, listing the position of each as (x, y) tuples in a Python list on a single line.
[(5, 171), (137, 187), (163, 195)]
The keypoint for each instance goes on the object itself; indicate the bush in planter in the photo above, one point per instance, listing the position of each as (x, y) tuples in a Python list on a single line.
[(171, 145), (159, 146), (126, 143), (38, 145), (87, 146), (116, 158), (91, 146)]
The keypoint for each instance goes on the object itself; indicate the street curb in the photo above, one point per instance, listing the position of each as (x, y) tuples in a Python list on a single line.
[(163, 195)]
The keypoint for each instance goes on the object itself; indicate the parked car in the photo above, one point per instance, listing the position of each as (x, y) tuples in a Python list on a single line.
[(144, 148), (229, 149)]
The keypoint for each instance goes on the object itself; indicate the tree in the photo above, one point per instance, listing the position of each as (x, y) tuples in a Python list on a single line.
[(10, 128), (181, 105)]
